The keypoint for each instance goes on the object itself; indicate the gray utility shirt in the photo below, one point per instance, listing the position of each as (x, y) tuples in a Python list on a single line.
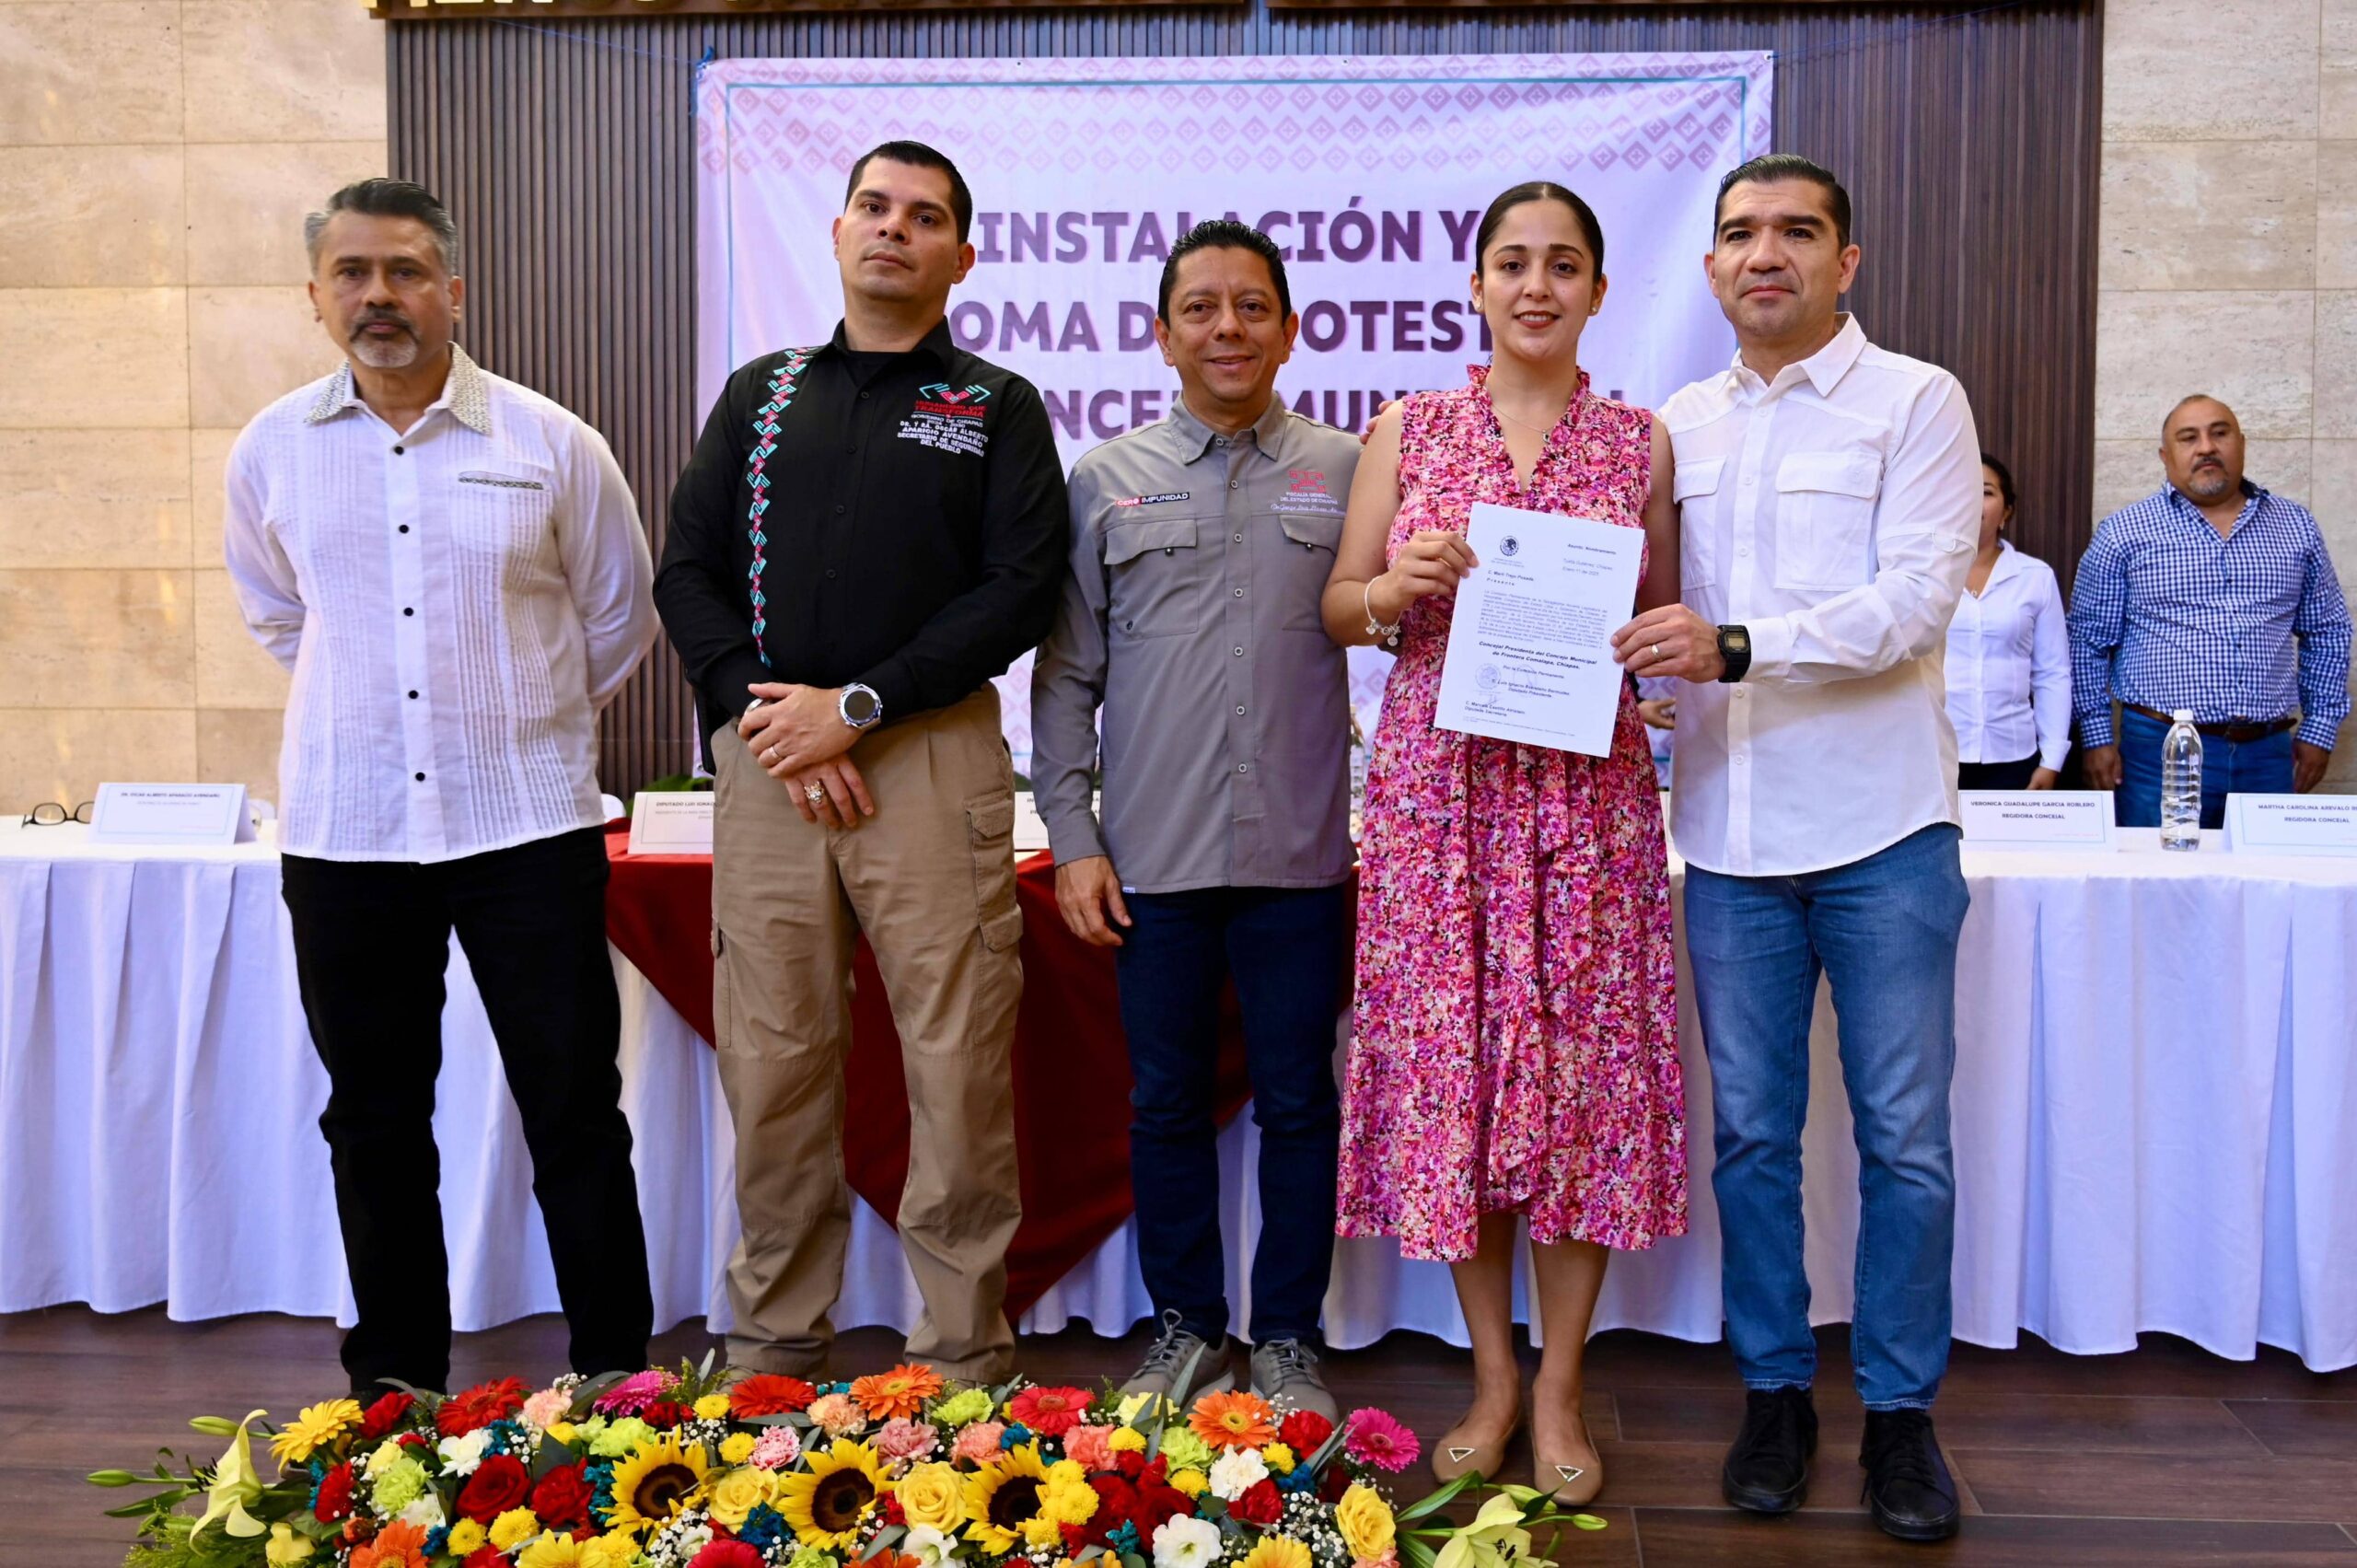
[(1191, 616)]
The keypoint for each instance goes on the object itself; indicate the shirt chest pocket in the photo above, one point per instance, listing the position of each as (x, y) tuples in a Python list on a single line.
[(1695, 486), (1825, 520), (1311, 539), (500, 522), (1156, 578)]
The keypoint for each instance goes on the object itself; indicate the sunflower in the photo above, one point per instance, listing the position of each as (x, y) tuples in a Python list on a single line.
[(1005, 1495), (899, 1392), (1234, 1421), (655, 1480), (827, 1503), (318, 1426)]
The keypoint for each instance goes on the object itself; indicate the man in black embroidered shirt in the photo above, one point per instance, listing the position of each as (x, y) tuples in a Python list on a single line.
[(867, 532)]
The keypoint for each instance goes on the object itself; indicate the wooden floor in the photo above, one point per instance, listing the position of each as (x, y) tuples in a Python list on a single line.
[(2167, 1456)]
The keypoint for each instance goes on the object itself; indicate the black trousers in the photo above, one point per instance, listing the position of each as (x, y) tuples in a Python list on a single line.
[(1996, 776), (371, 941)]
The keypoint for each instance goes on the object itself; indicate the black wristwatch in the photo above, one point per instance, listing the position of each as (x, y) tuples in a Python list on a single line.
[(1734, 647)]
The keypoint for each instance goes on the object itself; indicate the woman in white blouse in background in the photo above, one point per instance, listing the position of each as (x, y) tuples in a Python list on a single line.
[(2009, 658)]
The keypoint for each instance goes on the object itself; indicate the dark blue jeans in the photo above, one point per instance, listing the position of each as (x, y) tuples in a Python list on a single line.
[(1288, 949), (2253, 767), (1884, 930)]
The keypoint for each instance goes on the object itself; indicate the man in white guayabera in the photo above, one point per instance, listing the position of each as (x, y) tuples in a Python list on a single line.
[(453, 568)]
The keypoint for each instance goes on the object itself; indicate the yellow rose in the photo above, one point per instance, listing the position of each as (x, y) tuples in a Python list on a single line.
[(1365, 1519), (285, 1548), (712, 1407), (738, 1492), (736, 1447), (1279, 1457), (932, 1495), (1126, 1439), (1189, 1481), (514, 1527), (561, 1431), (466, 1538)]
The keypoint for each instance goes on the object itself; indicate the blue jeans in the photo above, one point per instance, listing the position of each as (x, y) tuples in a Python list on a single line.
[(1288, 950), (2252, 767), (1884, 930)]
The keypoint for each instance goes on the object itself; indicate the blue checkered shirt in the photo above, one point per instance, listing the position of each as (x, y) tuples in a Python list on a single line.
[(2167, 615)]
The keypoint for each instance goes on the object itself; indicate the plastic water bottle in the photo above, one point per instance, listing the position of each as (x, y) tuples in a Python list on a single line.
[(2181, 784)]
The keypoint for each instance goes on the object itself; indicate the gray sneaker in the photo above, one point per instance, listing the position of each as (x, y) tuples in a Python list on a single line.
[(1169, 1356), (1284, 1373)]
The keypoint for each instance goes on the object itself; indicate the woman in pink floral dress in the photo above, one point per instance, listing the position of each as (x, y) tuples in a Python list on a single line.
[(1516, 1049)]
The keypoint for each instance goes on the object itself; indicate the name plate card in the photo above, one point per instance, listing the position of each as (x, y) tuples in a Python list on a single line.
[(671, 822), (2291, 824), (2038, 819), (170, 814)]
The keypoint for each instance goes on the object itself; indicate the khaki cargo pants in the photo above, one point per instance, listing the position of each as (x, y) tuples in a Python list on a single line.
[(930, 879)]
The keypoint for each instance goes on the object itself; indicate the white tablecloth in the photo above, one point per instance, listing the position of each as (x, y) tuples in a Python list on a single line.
[(2155, 1121)]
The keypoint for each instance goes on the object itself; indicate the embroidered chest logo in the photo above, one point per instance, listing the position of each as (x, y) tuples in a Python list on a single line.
[(948, 419), (1155, 500), (1305, 490)]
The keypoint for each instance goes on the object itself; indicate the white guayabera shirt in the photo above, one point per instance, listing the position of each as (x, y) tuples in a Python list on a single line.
[(1833, 513), (456, 601)]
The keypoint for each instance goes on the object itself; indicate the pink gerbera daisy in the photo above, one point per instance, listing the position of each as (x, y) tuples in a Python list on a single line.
[(1379, 1439), (634, 1393)]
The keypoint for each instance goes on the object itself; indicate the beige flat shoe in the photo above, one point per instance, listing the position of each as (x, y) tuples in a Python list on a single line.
[(1457, 1454), (1574, 1486)]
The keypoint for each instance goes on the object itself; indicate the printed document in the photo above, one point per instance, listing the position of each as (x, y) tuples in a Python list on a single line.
[(1531, 644)]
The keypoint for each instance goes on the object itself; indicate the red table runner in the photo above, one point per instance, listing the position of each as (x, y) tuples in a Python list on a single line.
[(1072, 1068)]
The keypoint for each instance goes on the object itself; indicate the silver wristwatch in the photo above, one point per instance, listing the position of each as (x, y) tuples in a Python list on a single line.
[(859, 706)]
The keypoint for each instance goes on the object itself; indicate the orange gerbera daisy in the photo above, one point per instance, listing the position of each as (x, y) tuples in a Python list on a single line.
[(899, 1392), (399, 1545), (1235, 1421)]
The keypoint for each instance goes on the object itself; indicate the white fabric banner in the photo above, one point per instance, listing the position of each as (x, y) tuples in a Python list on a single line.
[(1371, 173)]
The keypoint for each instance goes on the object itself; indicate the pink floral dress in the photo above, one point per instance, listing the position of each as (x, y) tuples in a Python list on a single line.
[(1516, 1029)]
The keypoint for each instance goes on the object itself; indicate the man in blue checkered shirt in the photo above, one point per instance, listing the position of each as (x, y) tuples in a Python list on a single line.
[(2214, 596)]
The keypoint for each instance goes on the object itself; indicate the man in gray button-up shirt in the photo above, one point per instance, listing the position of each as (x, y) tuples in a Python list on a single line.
[(1200, 547)]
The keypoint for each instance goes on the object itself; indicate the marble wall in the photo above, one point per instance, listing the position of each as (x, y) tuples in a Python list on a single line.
[(156, 160), (2229, 249)]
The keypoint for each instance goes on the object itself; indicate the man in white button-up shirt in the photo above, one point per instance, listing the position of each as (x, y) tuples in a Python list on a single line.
[(1830, 501), (453, 568)]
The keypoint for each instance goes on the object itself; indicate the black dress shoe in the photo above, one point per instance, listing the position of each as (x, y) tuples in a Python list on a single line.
[(1908, 1484), (1767, 1470)]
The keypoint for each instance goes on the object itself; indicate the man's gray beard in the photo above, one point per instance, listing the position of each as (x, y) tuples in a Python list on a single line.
[(2209, 484), (397, 353)]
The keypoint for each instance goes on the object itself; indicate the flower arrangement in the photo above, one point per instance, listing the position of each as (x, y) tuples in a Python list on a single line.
[(688, 1468)]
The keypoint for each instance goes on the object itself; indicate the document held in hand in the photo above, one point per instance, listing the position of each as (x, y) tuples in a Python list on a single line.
[(1530, 644)]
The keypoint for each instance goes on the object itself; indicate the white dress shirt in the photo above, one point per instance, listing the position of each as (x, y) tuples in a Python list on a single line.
[(1833, 514), (2009, 666), (456, 601)]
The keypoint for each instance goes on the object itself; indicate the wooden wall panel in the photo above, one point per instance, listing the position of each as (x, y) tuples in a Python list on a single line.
[(1967, 135)]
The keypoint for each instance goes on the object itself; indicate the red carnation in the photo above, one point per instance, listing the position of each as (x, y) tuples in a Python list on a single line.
[(1260, 1505), (1052, 1412), (1333, 1484), (499, 1483), (380, 1418), (561, 1499), (485, 1556), (769, 1393), (1305, 1432), (335, 1495), (727, 1554), (1117, 1504), (893, 1513), (665, 1415), (480, 1405), (1129, 1463)]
